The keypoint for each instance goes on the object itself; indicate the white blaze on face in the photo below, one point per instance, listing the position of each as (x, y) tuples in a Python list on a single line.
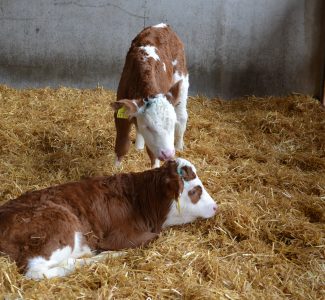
[(156, 123), (150, 52), (195, 202)]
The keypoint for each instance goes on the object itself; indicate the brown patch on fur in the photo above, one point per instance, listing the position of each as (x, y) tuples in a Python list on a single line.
[(187, 173), (195, 194)]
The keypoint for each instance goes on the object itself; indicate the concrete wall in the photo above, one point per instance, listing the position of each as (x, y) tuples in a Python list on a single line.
[(234, 47)]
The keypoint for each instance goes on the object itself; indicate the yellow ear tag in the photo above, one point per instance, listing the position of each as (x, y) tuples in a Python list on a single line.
[(178, 205), (122, 113)]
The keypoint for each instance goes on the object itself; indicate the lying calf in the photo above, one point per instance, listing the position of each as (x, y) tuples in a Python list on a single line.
[(46, 231)]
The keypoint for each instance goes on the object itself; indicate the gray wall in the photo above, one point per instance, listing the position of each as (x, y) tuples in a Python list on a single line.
[(233, 47)]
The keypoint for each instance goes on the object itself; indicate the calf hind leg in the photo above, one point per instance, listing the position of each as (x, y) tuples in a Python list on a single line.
[(181, 112), (61, 262), (179, 133)]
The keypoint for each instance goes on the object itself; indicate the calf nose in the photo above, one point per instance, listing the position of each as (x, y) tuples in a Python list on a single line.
[(167, 154), (215, 207)]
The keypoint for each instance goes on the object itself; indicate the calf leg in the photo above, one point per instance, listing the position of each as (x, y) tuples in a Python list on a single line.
[(120, 240), (122, 141), (155, 163), (143, 238), (179, 133), (61, 262), (139, 141), (180, 109)]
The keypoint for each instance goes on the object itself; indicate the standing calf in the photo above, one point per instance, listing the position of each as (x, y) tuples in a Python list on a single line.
[(152, 94), (47, 231)]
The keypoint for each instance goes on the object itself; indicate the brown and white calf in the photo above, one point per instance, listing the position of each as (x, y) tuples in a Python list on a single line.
[(48, 231), (152, 94)]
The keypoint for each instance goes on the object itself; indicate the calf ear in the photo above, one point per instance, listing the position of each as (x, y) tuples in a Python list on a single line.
[(187, 173), (174, 184), (173, 94), (131, 106)]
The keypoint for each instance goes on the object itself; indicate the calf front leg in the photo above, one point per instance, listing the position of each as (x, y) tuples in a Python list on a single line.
[(122, 141), (139, 141), (119, 240), (155, 163)]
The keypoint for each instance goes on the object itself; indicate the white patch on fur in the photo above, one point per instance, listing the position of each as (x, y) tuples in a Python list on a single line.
[(61, 262), (174, 62), (156, 164), (139, 141), (180, 109), (161, 25), (117, 163), (156, 123), (164, 67), (150, 52), (187, 211)]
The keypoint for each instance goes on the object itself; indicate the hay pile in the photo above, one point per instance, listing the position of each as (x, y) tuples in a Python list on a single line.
[(263, 160)]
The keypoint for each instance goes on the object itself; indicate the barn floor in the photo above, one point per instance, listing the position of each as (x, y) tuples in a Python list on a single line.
[(262, 159)]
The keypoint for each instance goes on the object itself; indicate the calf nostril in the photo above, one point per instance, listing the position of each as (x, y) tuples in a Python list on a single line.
[(215, 207), (163, 154)]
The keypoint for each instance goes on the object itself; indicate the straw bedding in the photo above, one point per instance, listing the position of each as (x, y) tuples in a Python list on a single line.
[(262, 160)]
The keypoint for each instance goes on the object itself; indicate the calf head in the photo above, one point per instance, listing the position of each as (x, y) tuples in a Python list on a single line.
[(194, 202), (156, 119)]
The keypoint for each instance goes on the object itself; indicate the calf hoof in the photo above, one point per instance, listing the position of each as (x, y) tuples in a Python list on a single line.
[(118, 163), (156, 164), (139, 148), (139, 142)]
